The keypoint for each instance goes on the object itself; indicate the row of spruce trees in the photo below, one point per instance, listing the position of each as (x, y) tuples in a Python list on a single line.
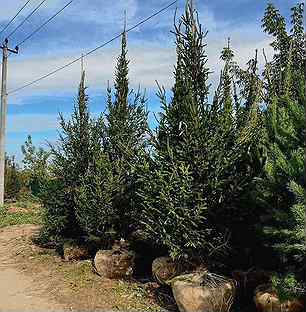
[(220, 180)]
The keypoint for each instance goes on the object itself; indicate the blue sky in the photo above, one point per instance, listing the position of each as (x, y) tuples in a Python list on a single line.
[(86, 24)]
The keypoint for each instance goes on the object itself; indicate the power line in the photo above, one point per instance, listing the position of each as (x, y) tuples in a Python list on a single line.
[(12, 20), (36, 9), (44, 24), (93, 50)]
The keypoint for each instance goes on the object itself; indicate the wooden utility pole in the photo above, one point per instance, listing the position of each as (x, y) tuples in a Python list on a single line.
[(305, 139), (5, 53)]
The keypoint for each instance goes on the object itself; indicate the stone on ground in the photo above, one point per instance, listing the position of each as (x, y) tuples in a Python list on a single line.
[(203, 292), (115, 263), (266, 300)]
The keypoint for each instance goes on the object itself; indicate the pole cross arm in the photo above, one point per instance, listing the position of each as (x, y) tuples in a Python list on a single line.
[(5, 46), (16, 50)]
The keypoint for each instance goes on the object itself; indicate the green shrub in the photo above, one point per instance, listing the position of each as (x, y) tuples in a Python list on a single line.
[(287, 287), (57, 217), (36, 166), (94, 201), (12, 179)]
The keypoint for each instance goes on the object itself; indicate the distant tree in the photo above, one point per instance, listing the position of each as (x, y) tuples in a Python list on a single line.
[(12, 179), (36, 165)]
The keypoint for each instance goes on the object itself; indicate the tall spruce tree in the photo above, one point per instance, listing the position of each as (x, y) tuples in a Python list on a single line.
[(126, 130), (181, 119), (285, 124), (107, 193), (126, 118), (199, 154), (174, 209), (71, 157)]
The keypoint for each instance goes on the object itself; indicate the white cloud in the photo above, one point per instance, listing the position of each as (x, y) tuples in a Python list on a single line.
[(147, 65), (31, 123), (149, 61)]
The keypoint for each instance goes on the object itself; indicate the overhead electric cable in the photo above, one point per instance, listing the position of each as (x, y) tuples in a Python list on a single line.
[(36, 9), (44, 24), (12, 20), (93, 50)]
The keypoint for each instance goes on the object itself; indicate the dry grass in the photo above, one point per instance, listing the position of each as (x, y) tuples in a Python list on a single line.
[(74, 284)]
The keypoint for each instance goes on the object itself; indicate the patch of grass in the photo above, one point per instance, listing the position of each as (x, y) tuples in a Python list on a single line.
[(131, 296), (79, 274), (20, 213)]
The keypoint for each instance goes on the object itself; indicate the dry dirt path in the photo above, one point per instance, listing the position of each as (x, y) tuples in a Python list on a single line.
[(19, 291)]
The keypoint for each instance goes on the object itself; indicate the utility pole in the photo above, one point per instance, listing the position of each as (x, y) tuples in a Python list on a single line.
[(305, 142), (5, 50)]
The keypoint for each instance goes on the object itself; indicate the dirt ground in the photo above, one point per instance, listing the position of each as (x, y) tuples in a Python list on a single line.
[(37, 279), (18, 291)]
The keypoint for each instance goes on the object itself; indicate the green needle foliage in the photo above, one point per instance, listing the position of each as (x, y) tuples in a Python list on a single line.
[(71, 158), (202, 160), (107, 193), (94, 199), (287, 287), (216, 176), (285, 125)]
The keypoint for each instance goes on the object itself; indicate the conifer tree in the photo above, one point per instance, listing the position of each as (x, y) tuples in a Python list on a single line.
[(289, 56), (237, 123), (126, 117), (285, 124), (180, 120), (126, 129), (107, 192), (174, 210), (71, 158), (202, 140), (73, 147)]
